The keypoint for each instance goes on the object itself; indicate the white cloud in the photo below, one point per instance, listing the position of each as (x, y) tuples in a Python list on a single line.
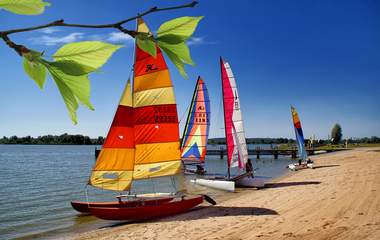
[(51, 41), (49, 30), (118, 37), (198, 41), (195, 41)]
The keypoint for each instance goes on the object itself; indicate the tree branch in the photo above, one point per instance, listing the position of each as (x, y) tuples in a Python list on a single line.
[(20, 49)]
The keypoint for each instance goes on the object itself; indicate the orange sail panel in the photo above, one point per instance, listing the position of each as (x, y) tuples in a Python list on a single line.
[(114, 167), (155, 116)]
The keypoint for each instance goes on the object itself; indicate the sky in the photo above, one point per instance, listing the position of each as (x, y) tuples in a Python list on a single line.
[(320, 56)]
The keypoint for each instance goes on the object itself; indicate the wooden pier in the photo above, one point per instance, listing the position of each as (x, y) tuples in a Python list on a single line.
[(273, 152)]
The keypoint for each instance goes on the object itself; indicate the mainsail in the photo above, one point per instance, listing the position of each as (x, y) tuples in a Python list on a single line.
[(155, 116), (195, 135), (143, 141), (235, 138), (299, 134)]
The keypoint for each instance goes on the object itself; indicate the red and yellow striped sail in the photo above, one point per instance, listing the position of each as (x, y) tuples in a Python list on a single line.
[(114, 167), (143, 141), (155, 117)]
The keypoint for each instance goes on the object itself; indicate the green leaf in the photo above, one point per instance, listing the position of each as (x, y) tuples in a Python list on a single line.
[(178, 29), (73, 68), (35, 71), (92, 54), (176, 60), (72, 89), (146, 43), (181, 50), (25, 7)]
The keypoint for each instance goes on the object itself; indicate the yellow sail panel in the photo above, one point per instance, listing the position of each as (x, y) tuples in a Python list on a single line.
[(158, 96), (155, 112), (153, 80), (156, 152), (117, 155), (157, 169), (112, 180), (114, 166), (126, 98)]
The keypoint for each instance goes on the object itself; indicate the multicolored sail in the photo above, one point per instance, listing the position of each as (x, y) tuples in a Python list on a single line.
[(154, 116), (299, 134), (235, 138), (195, 135), (143, 141), (114, 166)]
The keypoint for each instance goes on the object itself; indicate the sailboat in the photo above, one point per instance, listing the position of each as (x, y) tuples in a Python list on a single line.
[(237, 153), (304, 162), (142, 144), (195, 134)]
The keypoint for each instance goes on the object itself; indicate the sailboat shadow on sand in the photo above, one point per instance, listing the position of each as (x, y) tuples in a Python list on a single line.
[(207, 212)]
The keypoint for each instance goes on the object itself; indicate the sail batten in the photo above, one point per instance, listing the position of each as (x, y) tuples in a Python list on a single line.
[(299, 134), (195, 135), (237, 153)]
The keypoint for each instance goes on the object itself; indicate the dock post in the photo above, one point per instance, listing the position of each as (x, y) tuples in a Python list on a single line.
[(221, 153), (275, 153)]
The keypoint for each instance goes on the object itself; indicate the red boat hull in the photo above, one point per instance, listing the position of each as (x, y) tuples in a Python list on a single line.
[(147, 211), (82, 207)]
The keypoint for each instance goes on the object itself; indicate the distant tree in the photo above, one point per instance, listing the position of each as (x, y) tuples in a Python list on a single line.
[(336, 133)]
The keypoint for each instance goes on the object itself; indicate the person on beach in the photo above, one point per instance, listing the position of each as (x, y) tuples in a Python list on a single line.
[(249, 167), (200, 170)]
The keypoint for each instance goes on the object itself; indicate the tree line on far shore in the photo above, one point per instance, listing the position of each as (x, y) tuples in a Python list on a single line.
[(78, 139), (64, 139)]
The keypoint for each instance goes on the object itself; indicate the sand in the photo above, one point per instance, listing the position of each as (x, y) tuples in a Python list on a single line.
[(339, 199)]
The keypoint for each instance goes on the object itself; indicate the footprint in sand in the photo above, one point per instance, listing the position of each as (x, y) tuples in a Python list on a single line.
[(288, 234)]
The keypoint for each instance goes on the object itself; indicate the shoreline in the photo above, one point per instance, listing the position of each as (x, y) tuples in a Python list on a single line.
[(339, 199)]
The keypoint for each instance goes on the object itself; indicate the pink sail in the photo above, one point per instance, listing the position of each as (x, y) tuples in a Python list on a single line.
[(235, 138)]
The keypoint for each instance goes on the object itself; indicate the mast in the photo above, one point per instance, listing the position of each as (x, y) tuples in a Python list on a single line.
[(224, 114)]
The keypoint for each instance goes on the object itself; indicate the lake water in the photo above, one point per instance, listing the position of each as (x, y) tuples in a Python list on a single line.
[(37, 183)]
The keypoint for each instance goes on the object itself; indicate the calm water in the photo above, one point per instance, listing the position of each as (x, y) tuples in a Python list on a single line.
[(38, 182)]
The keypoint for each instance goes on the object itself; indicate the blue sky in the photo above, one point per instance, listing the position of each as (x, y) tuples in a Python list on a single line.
[(320, 56)]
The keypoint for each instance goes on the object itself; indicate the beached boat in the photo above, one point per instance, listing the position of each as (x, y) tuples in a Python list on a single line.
[(195, 134), (237, 154), (83, 207), (142, 144), (304, 162)]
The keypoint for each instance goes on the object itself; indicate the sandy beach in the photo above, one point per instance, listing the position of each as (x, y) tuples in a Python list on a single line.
[(339, 199)]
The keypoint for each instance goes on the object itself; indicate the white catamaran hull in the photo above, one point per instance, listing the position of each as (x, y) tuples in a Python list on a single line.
[(296, 166), (217, 184)]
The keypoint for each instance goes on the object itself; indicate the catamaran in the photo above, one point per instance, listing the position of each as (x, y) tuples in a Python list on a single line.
[(142, 143), (304, 162), (237, 153), (195, 134)]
